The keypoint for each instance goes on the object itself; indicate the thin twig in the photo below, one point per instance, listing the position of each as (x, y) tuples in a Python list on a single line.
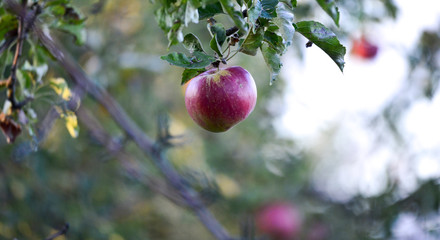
[(13, 76), (63, 231), (24, 22)]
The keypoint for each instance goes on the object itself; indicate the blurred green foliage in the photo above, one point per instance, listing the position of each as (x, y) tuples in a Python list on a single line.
[(77, 181)]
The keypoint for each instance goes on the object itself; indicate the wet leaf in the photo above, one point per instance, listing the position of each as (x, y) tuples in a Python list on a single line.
[(275, 41), (284, 21), (272, 59)]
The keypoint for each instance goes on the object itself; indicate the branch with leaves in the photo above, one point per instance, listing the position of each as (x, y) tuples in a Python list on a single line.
[(147, 145), (265, 26)]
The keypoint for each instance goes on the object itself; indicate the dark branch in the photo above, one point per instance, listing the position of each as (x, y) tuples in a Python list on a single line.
[(131, 165), (231, 31), (146, 144), (25, 21), (13, 76), (63, 231)]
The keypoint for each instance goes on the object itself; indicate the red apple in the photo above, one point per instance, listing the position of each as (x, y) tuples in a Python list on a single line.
[(279, 220), (364, 48), (220, 98)]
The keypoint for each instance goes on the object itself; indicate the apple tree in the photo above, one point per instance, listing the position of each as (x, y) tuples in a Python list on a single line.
[(99, 143)]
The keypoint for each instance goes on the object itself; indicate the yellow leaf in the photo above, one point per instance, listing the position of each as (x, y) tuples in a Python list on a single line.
[(229, 188), (72, 124), (60, 86)]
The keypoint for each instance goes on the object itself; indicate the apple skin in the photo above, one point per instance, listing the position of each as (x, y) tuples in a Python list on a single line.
[(220, 98), (279, 221), (363, 48)]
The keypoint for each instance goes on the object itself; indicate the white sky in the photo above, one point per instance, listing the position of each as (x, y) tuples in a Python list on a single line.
[(318, 100)]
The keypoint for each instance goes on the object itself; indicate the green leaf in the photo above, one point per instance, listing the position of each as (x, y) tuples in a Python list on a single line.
[(254, 12), (391, 8), (56, 2), (8, 22), (73, 15), (215, 46), (192, 43), (57, 10), (25, 79), (252, 42), (210, 10), (175, 15), (77, 30), (275, 41), (248, 3), (324, 39), (219, 36), (269, 8), (272, 59), (39, 70), (189, 74), (262, 9), (218, 30), (198, 60), (331, 9), (284, 21), (293, 2), (236, 16)]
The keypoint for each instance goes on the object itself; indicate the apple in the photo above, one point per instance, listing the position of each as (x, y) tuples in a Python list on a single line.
[(363, 48), (220, 98), (279, 221)]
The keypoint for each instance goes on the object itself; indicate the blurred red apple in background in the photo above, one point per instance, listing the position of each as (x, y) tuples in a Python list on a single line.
[(363, 48), (220, 98), (279, 221)]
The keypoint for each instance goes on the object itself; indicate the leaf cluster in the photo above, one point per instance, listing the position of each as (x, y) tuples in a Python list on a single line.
[(265, 26)]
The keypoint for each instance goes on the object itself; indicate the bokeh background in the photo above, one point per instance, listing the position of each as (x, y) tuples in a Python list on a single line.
[(358, 153)]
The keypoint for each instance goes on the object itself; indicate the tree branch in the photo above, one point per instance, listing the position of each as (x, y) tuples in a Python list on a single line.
[(146, 144), (130, 164), (13, 77), (63, 231), (24, 22)]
